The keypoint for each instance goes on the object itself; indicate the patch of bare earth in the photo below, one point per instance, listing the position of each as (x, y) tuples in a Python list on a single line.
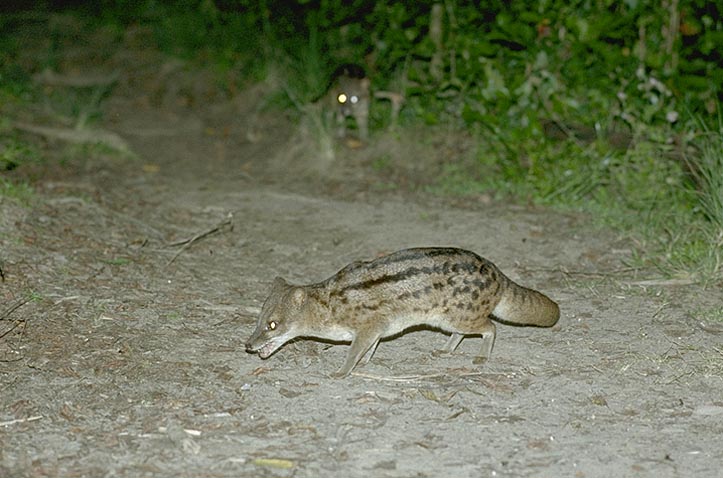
[(131, 285)]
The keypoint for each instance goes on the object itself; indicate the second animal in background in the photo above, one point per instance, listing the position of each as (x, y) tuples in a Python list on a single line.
[(349, 97)]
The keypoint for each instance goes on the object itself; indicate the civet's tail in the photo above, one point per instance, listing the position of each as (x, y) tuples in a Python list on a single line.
[(523, 306)]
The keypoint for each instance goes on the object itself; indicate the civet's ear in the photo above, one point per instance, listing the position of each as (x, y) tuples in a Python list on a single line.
[(299, 296), (279, 283)]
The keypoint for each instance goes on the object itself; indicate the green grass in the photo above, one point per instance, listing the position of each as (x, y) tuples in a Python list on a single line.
[(673, 217), (118, 261), (714, 315), (15, 153), (707, 167), (21, 192)]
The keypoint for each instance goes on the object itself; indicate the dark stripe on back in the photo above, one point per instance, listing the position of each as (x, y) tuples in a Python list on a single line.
[(460, 261), (400, 276), (418, 253)]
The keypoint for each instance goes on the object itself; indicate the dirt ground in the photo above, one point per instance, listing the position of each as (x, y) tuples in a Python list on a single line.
[(122, 347)]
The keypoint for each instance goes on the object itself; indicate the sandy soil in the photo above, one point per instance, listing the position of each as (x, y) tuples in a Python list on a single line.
[(121, 347)]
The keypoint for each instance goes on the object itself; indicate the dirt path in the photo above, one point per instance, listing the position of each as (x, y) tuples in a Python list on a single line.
[(128, 360)]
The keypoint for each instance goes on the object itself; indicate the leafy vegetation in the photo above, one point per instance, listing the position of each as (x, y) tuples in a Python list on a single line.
[(612, 107)]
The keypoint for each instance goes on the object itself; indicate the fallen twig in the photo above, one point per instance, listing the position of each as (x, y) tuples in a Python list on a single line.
[(51, 78), (414, 378), (20, 420), (560, 270), (13, 308), (90, 136), (188, 242), (616, 272), (711, 328), (14, 326), (662, 282), (9, 311)]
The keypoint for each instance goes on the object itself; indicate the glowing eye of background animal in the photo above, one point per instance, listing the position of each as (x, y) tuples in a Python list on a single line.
[(342, 98), (354, 99), (271, 325)]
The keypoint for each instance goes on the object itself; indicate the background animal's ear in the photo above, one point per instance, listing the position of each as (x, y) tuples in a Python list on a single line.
[(299, 296), (366, 83)]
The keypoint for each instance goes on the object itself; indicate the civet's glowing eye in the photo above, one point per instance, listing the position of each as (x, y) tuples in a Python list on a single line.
[(272, 325), (354, 99), (342, 98)]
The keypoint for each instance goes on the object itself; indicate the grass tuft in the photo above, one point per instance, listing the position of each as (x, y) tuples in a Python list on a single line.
[(22, 192), (708, 170)]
